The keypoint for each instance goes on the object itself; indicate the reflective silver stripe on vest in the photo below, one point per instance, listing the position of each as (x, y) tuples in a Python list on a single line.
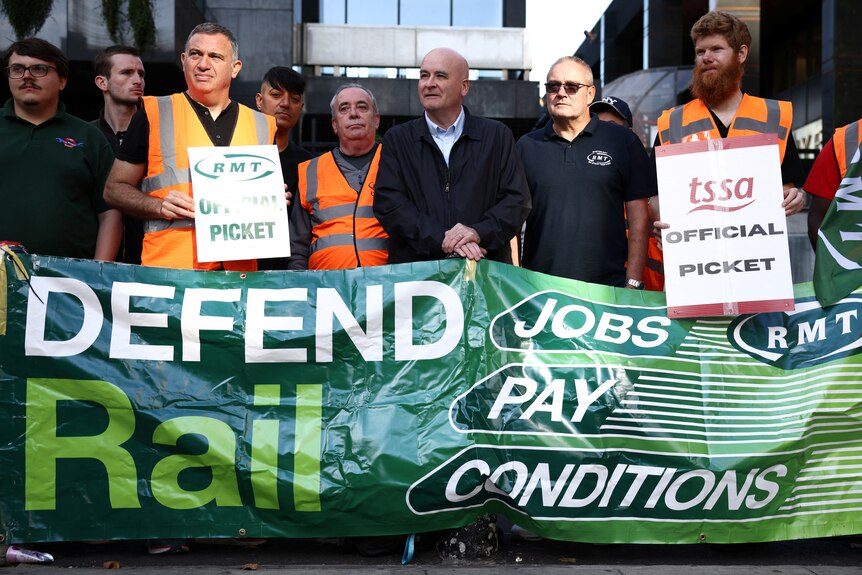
[(772, 125), (261, 128), (167, 141), (169, 178), (337, 240), (851, 143), (151, 226), (321, 216), (676, 131), (311, 184)]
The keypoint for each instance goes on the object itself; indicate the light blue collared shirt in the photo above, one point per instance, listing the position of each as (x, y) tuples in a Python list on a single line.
[(445, 139)]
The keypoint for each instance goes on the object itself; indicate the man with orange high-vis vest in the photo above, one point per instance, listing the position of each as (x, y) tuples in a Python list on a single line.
[(332, 225), (151, 178), (828, 170), (720, 108)]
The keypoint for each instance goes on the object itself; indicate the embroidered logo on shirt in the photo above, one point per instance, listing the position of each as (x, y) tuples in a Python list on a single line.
[(599, 158), (70, 142)]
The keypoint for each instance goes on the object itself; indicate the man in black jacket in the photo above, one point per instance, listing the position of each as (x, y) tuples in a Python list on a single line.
[(450, 184)]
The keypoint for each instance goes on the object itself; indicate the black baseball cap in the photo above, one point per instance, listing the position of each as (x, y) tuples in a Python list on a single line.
[(616, 105)]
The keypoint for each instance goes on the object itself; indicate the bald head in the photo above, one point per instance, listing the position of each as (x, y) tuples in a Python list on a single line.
[(450, 59), (443, 84)]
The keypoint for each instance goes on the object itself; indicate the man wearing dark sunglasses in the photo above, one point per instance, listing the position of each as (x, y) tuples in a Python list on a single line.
[(584, 176), (54, 165)]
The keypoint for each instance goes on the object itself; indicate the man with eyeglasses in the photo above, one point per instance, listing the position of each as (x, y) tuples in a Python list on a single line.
[(450, 183), (585, 175), (54, 165)]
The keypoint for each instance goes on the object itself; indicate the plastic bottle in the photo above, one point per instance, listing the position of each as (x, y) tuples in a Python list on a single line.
[(16, 554)]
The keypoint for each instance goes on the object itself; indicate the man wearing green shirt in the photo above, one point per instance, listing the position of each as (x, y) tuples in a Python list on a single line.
[(54, 165)]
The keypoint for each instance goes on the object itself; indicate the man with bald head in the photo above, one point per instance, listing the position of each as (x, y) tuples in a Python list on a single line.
[(450, 184)]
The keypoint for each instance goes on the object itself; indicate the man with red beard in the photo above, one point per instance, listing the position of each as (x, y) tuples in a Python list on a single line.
[(722, 110)]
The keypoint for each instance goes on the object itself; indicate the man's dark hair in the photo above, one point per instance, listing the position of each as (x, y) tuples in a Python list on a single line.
[(211, 29), (724, 24), (38, 48), (285, 78), (102, 61)]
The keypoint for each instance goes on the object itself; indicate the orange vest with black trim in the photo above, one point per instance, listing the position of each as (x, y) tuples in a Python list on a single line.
[(849, 134), (174, 128), (653, 275), (693, 122), (344, 231)]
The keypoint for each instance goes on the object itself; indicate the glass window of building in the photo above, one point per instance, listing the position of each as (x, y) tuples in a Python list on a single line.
[(425, 13), (477, 13), (333, 12), (378, 12)]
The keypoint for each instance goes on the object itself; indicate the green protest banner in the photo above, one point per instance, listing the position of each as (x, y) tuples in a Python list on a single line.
[(838, 265), (145, 402)]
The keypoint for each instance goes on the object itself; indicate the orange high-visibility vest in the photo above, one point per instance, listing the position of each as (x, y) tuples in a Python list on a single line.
[(344, 231), (693, 122), (174, 127), (653, 275), (844, 153)]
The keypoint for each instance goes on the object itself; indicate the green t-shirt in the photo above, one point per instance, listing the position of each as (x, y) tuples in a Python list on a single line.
[(53, 176)]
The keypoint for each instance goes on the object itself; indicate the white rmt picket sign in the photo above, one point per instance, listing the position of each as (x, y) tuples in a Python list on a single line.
[(240, 210), (726, 251)]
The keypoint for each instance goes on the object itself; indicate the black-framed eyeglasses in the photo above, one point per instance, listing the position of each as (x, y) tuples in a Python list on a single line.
[(570, 87), (16, 71)]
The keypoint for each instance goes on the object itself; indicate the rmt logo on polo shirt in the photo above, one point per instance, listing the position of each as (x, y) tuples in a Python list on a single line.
[(70, 142), (599, 158)]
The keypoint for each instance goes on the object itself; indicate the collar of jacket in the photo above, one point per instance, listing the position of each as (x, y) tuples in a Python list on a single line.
[(471, 130)]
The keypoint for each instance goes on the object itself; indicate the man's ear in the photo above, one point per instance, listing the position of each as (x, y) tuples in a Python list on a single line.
[(102, 83), (235, 68), (742, 54)]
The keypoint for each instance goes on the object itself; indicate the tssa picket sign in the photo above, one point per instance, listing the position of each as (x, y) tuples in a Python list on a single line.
[(726, 251)]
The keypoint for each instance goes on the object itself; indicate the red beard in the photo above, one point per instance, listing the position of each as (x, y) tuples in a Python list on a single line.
[(717, 86)]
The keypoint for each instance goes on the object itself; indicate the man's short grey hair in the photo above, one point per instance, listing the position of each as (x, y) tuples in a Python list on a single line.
[(353, 85), (576, 60), (211, 28)]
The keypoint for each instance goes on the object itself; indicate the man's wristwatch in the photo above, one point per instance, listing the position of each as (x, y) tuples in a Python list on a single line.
[(633, 283)]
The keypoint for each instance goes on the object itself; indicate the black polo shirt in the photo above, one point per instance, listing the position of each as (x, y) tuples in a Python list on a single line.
[(577, 228)]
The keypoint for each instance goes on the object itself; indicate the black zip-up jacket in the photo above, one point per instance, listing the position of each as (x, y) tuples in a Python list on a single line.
[(417, 198)]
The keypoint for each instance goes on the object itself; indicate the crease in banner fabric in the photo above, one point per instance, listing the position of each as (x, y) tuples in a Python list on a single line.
[(152, 403)]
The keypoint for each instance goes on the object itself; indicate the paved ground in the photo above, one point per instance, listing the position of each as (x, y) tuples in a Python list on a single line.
[(835, 556)]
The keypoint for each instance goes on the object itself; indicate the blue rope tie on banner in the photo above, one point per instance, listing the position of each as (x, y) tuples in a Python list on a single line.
[(409, 549)]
